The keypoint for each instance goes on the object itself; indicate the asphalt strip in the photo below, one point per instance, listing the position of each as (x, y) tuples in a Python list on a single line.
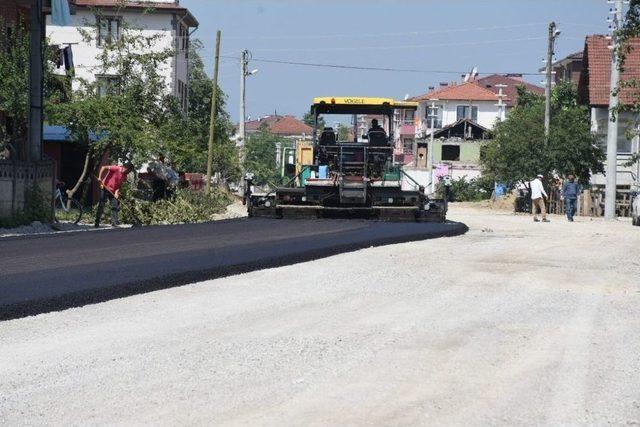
[(55, 286)]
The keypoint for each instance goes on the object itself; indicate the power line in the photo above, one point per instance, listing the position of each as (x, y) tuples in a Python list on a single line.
[(398, 47), (362, 68), (391, 34)]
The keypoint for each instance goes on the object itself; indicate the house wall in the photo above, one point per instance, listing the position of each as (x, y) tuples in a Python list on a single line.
[(153, 24), (626, 146), (488, 112)]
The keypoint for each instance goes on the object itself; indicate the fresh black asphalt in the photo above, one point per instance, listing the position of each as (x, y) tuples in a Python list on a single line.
[(45, 273)]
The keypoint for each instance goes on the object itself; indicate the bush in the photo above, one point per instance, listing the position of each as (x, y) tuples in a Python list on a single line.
[(37, 207), (473, 190), (185, 206)]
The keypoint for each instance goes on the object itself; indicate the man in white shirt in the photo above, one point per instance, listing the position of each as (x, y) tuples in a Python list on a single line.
[(537, 200)]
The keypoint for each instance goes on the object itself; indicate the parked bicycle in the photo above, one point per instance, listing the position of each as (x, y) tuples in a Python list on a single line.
[(65, 211)]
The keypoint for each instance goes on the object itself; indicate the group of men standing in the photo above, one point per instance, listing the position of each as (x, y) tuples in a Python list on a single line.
[(570, 192)]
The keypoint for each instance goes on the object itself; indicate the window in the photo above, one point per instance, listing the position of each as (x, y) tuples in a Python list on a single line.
[(451, 153), (626, 124), (182, 42), (464, 111), (182, 94), (108, 29), (407, 145), (436, 113), (107, 85), (409, 117)]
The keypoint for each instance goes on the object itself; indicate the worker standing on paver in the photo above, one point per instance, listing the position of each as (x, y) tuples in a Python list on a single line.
[(111, 179), (537, 200), (570, 192)]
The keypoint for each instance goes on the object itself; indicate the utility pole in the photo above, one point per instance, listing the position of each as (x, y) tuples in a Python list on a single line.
[(612, 126), (34, 149), (244, 72), (214, 112), (243, 76), (500, 104), (434, 113), (553, 34)]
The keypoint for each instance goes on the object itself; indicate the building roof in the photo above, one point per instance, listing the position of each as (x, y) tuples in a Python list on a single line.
[(280, 125), (188, 18), (511, 89), (462, 128), (597, 62), (469, 91)]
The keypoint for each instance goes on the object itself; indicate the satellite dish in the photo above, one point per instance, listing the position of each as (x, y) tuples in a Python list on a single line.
[(474, 72), (406, 97)]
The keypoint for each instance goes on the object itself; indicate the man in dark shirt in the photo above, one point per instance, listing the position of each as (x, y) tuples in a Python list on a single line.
[(570, 192)]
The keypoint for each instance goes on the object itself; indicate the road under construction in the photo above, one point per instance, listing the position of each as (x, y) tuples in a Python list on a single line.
[(53, 272)]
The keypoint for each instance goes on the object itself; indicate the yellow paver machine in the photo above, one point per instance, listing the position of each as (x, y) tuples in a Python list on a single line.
[(352, 178)]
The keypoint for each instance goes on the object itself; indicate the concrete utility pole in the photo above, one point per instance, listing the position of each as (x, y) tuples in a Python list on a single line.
[(553, 34), (214, 112), (612, 127), (34, 151), (244, 61), (500, 104), (244, 72), (430, 159)]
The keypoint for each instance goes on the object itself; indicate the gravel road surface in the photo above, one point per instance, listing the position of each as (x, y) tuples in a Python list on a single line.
[(512, 323)]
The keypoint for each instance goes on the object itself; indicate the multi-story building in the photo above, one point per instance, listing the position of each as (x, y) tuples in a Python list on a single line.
[(463, 116), (594, 90), (166, 20)]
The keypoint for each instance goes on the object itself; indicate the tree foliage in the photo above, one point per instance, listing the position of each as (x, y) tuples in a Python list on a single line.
[(308, 119), (185, 138), (14, 83), (134, 116), (519, 152), (261, 156)]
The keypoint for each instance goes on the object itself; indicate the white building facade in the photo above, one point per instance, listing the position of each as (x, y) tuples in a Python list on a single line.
[(165, 20)]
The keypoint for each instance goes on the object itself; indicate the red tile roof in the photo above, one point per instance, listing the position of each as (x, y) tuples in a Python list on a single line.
[(511, 91), (169, 7), (597, 62), (280, 125), (470, 91)]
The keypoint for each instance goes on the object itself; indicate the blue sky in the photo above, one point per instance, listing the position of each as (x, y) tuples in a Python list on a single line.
[(449, 36)]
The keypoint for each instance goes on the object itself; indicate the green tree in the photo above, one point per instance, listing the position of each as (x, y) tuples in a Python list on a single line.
[(308, 119), (261, 156), (14, 86), (124, 115), (184, 138), (344, 132), (518, 151)]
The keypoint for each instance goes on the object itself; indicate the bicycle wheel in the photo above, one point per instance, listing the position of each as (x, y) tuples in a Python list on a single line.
[(72, 213)]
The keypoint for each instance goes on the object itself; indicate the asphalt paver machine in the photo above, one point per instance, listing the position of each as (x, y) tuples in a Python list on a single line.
[(353, 178)]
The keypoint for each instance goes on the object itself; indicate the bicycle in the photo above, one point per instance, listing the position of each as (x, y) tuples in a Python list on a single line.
[(63, 210)]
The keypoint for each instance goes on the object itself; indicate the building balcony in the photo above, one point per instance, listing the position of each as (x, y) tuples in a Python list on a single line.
[(407, 130)]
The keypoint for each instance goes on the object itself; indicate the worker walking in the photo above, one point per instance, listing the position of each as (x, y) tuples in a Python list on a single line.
[(570, 192), (537, 199), (111, 179)]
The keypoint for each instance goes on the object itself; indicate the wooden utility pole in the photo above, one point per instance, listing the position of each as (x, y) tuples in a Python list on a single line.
[(214, 112), (547, 88)]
